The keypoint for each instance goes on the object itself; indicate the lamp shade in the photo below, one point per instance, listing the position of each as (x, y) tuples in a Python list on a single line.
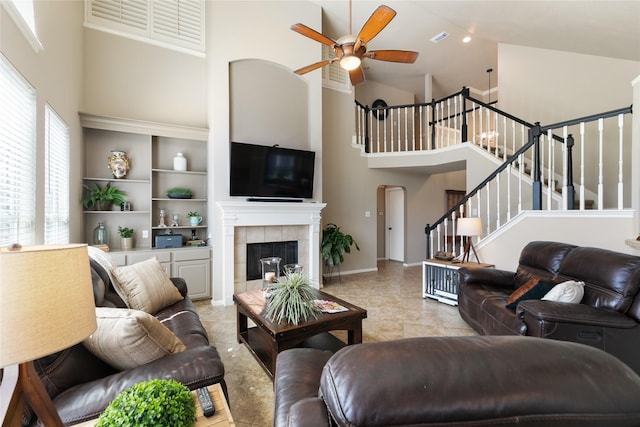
[(469, 227), (46, 301)]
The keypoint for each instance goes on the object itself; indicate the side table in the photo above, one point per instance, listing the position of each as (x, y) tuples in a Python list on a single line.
[(222, 417), (440, 279)]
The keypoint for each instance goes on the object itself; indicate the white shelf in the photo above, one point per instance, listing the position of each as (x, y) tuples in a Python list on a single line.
[(121, 180), (179, 172)]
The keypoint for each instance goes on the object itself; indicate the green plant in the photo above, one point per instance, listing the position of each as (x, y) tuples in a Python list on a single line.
[(291, 300), (180, 190), (335, 244), (125, 232), (95, 194), (151, 403), (190, 214)]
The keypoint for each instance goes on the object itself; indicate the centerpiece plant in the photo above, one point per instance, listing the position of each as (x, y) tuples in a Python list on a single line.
[(335, 244), (150, 404), (291, 299)]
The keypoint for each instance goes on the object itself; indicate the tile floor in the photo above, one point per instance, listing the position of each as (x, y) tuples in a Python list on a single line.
[(395, 309)]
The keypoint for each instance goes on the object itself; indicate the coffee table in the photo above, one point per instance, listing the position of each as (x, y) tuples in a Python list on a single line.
[(266, 339)]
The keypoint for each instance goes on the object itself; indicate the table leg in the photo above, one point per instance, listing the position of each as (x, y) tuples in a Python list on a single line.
[(354, 336), (242, 325)]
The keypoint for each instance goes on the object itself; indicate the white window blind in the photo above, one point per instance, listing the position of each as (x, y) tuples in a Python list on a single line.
[(18, 148), (56, 179), (177, 24), (333, 75)]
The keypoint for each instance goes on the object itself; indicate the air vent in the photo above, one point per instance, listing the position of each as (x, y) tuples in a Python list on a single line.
[(438, 38)]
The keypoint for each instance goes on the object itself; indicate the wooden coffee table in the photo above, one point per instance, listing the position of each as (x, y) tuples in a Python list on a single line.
[(266, 339)]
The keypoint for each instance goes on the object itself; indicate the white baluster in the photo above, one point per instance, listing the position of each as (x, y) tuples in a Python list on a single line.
[(550, 168), (406, 129), (582, 166), (600, 164), (497, 201), (565, 168), (620, 162)]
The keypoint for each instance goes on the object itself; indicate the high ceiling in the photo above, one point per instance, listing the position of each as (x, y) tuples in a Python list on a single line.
[(602, 28)]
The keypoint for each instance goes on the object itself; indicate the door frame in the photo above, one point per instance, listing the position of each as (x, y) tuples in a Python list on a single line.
[(388, 209)]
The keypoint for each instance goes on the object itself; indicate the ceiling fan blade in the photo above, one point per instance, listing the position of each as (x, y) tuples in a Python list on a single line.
[(376, 22), (356, 76), (315, 66), (312, 34), (405, 56)]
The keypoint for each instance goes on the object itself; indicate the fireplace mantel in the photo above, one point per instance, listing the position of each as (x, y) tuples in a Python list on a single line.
[(249, 214)]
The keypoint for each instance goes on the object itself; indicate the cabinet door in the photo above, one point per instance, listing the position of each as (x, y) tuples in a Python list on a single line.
[(197, 274)]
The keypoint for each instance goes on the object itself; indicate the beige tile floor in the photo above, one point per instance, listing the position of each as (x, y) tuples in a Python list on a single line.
[(395, 309)]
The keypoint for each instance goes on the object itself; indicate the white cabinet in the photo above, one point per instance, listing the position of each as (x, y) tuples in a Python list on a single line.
[(440, 279)]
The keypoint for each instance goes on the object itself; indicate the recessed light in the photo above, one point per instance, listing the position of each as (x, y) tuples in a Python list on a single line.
[(467, 39)]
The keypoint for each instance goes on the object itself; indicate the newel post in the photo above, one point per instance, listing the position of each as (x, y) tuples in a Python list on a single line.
[(536, 197), (570, 189), (465, 94), (427, 231)]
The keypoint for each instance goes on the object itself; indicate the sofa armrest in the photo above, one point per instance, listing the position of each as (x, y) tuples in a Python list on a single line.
[(297, 377), (196, 367), (560, 312), (309, 412), (181, 284), (488, 276)]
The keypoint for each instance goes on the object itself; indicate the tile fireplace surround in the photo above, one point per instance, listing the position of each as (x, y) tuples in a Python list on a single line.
[(254, 222)]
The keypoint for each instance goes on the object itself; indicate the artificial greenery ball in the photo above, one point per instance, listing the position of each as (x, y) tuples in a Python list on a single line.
[(154, 403)]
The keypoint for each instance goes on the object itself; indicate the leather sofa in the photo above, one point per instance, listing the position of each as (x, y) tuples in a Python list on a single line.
[(456, 381), (81, 385), (607, 317)]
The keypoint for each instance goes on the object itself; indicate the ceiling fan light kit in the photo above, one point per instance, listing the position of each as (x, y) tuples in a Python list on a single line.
[(350, 51)]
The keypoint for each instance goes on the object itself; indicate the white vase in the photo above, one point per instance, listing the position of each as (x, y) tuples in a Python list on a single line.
[(179, 162)]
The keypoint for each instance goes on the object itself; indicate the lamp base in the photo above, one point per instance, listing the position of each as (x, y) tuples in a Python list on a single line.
[(468, 246), (21, 383)]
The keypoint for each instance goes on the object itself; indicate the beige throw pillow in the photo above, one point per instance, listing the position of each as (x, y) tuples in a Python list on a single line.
[(146, 286), (128, 338)]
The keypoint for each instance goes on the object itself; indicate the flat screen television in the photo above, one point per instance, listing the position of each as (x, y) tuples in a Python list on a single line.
[(271, 172)]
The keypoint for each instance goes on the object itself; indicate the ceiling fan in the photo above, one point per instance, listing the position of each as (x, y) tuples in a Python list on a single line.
[(350, 50)]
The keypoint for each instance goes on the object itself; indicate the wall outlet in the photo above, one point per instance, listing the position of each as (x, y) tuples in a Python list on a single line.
[(367, 214), (145, 234)]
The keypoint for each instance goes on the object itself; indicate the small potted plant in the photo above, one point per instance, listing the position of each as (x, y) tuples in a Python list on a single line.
[(179, 193), (126, 237), (102, 198), (149, 404), (194, 218), (291, 299)]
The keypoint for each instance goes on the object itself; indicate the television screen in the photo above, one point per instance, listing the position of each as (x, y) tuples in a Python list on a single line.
[(271, 172)]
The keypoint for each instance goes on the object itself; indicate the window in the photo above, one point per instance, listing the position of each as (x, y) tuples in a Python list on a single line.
[(175, 24), (334, 76), (56, 179), (18, 147)]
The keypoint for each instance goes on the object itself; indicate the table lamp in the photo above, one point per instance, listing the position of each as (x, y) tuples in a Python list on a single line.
[(46, 305), (469, 227)]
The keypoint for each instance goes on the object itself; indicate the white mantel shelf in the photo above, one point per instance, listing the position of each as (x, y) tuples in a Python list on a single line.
[(248, 214)]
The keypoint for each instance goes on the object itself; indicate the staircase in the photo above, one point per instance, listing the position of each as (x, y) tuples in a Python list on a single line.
[(586, 160)]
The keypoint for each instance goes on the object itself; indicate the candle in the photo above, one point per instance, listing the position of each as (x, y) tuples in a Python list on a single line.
[(270, 276)]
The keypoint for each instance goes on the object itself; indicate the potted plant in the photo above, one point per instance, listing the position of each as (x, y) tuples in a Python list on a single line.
[(194, 218), (149, 404), (126, 237), (179, 193), (102, 198), (335, 244), (291, 299)]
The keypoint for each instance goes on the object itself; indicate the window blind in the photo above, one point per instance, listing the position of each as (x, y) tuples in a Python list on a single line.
[(334, 76), (56, 179), (18, 147)]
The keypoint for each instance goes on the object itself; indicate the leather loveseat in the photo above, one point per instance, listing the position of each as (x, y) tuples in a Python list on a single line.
[(456, 381), (81, 385), (607, 316)]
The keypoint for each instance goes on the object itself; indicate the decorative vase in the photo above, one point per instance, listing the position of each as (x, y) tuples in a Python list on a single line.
[(103, 205), (100, 235), (195, 220), (126, 243), (118, 163), (179, 162)]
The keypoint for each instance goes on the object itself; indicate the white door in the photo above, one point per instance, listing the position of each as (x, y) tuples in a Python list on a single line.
[(395, 223)]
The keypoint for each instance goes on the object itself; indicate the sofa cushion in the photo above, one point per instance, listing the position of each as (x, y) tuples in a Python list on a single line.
[(128, 338), (146, 286), (533, 289), (541, 260), (570, 292)]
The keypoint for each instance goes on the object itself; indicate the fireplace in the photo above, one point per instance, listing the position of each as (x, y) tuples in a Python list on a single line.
[(286, 251), (262, 222)]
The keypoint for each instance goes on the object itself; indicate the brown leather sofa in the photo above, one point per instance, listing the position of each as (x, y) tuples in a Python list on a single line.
[(607, 317), (456, 381), (81, 385)]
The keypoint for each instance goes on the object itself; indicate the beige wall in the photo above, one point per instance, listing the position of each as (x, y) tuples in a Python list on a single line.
[(56, 74)]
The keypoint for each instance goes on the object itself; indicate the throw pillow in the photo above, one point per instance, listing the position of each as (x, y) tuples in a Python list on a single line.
[(128, 338), (106, 262), (533, 289), (146, 286), (569, 291)]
